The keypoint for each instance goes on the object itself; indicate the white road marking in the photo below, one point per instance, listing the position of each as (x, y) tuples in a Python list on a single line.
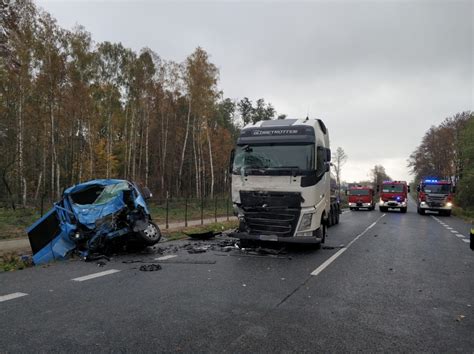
[(465, 240), (96, 275), (454, 231), (460, 236), (11, 296), (342, 250), (164, 258)]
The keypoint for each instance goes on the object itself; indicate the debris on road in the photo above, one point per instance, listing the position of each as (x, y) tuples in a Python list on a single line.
[(203, 235), (150, 267), (460, 318), (93, 218)]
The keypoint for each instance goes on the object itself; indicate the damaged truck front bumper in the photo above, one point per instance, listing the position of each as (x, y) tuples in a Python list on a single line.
[(275, 238)]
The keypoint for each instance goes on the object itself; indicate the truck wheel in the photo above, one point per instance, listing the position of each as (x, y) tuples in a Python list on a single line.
[(333, 217), (351, 208), (151, 235), (337, 218), (448, 213), (421, 211), (330, 218), (403, 210), (383, 209), (321, 232)]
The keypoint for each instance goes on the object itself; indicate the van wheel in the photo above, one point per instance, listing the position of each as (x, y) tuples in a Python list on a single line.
[(151, 235)]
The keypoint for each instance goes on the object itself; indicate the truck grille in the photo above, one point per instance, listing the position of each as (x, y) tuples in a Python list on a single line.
[(271, 213), (280, 222), (435, 201)]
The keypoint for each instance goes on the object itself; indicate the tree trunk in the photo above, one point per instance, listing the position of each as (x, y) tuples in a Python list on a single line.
[(184, 145), (210, 160), (147, 163)]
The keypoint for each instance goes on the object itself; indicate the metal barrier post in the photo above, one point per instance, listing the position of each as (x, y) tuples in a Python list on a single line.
[(202, 209), (167, 209), (186, 211), (215, 210)]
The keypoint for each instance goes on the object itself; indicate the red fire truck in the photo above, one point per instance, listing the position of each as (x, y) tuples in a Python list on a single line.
[(394, 194), (435, 195), (361, 197)]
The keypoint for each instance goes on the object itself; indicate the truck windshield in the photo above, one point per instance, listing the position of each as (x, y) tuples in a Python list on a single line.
[(437, 188), (358, 192), (392, 188), (281, 158)]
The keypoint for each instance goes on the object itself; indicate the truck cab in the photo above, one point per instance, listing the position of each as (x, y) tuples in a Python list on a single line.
[(361, 197), (281, 181), (394, 194), (435, 195)]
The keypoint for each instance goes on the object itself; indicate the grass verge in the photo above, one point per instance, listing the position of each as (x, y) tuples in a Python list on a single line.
[(14, 222), (465, 214), (11, 261)]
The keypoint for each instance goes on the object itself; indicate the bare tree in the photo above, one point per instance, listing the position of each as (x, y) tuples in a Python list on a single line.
[(339, 159)]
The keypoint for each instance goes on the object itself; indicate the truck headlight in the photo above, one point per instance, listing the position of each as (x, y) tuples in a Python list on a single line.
[(306, 221), (381, 201), (449, 204)]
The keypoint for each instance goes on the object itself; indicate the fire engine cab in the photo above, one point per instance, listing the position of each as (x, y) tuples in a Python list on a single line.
[(435, 195), (394, 194)]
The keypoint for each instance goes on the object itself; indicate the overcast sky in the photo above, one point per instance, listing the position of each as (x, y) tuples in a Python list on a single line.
[(378, 73)]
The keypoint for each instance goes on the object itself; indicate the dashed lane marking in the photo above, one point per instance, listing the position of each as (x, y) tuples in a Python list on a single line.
[(11, 296), (453, 231), (164, 258), (342, 250), (96, 275)]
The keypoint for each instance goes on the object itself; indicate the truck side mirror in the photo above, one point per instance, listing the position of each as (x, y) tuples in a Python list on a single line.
[(328, 166), (231, 161), (328, 155), (418, 189)]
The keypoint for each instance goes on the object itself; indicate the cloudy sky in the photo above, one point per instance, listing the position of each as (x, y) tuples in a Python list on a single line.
[(379, 73)]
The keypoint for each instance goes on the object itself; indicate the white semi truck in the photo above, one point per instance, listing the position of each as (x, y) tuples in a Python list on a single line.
[(281, 182)]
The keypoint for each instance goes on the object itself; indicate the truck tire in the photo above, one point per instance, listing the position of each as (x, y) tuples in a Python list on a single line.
[(337, 218), (351, 208), (445, 212), (321, 232), (383, 209), (421, 211), (151, 235), (403, 210), (330, 218)]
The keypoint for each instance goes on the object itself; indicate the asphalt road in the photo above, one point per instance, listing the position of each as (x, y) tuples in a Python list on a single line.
[(383, 282)]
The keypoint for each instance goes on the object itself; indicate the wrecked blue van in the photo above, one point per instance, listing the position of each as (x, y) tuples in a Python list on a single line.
[(90, 218)]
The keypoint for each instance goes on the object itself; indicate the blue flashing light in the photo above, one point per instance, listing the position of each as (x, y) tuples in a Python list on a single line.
[(398, 198), (431, 181)]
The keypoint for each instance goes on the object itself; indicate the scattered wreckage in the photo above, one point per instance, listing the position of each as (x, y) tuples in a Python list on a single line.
[(91, 218)]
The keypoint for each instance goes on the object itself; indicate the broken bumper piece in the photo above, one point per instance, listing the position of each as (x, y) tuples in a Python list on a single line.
[(275, 238)]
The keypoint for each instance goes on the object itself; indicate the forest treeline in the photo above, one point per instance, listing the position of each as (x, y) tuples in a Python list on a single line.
[(73, 110), (447, 151)]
